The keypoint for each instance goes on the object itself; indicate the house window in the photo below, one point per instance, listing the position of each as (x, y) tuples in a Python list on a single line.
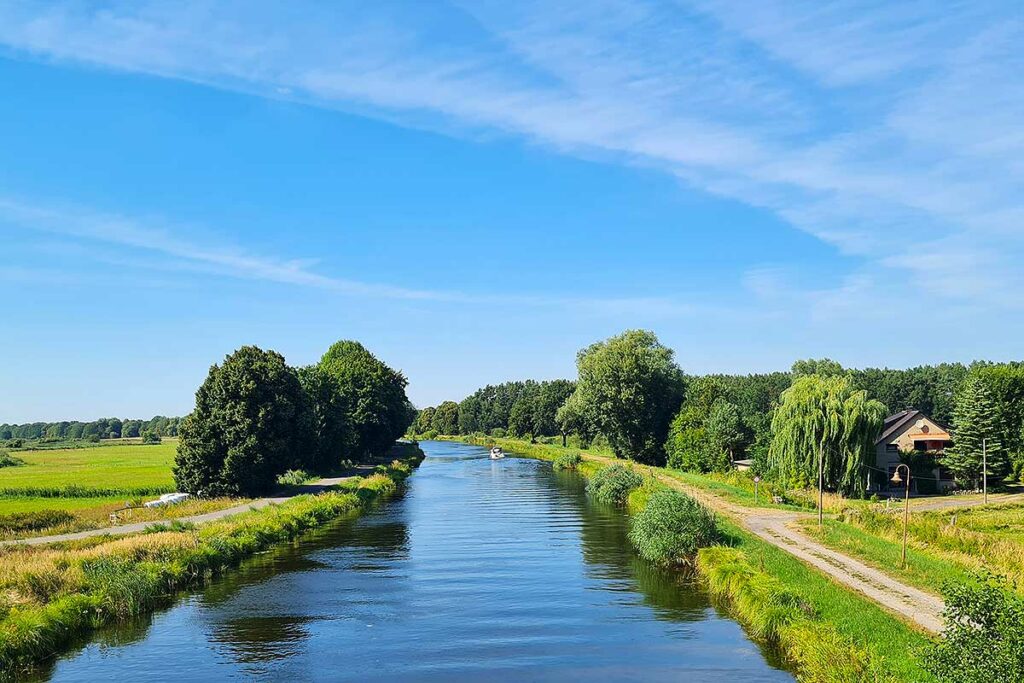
[(892, 448)]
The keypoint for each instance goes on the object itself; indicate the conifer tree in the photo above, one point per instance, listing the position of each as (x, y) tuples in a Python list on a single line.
[(975, 418)]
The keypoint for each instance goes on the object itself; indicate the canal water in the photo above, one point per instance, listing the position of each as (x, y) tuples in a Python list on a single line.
[(481, 570)]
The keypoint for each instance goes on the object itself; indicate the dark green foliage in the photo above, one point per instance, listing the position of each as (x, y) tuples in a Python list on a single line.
[(928, 388), (44, 433), (535, 412), (150, 438), (424, 420), (1005, 384), (328, 419), (632, 387), (371, 399), (446, 418), (8, 460), (490, 407), (984, 637), (695, 443), (976, 421), (21, 522), (672, 527), (251, 422), (568, 461), (574, 417), (823, 367), (613, 484)]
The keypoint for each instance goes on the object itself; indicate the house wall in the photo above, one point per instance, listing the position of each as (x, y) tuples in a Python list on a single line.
[(902, 439)]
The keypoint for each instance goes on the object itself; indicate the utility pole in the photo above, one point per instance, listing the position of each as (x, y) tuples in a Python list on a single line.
[(821, 483), (984, 468)]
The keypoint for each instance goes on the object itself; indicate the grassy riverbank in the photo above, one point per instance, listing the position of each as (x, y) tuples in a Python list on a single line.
[(52, 594), (828, 633)]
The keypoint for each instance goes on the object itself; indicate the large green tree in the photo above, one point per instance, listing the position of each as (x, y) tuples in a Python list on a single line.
[(976, 424), (573, 417), (446, 418), (825, 417), (371, 399), (632, 386), (329, 420), (250, 423)]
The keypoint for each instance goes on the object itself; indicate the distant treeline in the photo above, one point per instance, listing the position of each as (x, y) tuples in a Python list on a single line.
[(104, 428), (633, 398), (929, 388)]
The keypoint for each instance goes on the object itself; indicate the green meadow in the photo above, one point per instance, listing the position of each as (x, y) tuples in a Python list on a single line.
[(81, 473)]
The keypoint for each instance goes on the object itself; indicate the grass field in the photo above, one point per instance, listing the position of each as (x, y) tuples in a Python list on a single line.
[(942, 546), (101, 471)]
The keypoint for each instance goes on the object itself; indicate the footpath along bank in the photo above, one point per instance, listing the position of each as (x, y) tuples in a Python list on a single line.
[(51, 594), (828, 630)]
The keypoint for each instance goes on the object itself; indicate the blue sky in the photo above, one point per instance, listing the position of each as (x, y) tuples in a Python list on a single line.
[(476, 190)]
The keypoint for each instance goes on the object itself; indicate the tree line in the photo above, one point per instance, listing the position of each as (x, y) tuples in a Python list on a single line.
[(104, 428), (256, 417), (632, 397)]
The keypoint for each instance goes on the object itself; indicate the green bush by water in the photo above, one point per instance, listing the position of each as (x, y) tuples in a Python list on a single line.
[(568, 462), (672, 527), (612, 484)]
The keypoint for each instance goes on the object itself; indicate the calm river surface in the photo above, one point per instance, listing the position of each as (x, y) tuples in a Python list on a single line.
[(482, 570)]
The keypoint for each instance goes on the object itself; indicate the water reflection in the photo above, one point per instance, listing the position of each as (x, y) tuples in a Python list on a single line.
[(481, 570)]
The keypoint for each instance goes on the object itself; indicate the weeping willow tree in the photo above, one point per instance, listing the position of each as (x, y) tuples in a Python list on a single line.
[(825, 415)]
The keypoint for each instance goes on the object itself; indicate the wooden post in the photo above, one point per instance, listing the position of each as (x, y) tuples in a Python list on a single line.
[(821, 484)]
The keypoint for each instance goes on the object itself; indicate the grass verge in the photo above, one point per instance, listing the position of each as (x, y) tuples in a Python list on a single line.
[(51, 594)]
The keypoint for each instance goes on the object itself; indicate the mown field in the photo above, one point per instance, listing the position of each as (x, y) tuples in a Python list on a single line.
[(87, 485), (100, 471)]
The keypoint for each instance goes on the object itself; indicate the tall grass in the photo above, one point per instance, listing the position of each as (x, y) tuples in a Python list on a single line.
[(984, 538), (777, 615), (48, 595)]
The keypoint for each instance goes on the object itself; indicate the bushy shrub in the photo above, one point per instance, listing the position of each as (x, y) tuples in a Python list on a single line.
[(984, 637), (8, 460), (567, 461), (672, 527), (149, 437), (613, 484), (497, 433), (294, 478)]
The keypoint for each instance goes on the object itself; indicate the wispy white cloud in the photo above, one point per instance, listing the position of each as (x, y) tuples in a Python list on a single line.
[(888, 130), (174, 253)]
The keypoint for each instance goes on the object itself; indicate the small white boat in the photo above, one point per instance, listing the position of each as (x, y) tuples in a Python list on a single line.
[(497, 453)]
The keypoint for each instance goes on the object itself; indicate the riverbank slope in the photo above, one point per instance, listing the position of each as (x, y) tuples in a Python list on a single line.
[(50, 595)]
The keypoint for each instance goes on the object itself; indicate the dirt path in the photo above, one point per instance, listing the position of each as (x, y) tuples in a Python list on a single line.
[(777, 527), (137, 527), (921, 608)]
